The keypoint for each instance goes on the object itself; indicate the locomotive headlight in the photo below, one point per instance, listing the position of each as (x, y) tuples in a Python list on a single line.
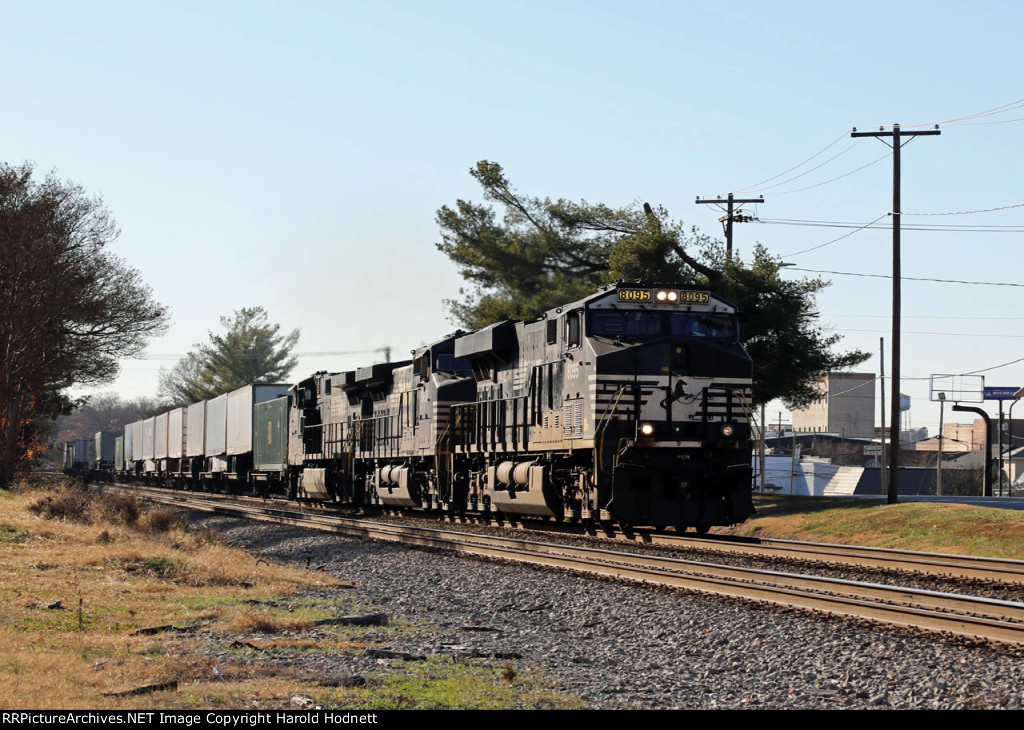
[(661, 296), (673, 296), (727, 430), (646, 429)]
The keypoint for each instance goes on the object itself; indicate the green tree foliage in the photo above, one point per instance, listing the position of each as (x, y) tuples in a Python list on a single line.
[(69, 309), (251, 350), (543, 253)]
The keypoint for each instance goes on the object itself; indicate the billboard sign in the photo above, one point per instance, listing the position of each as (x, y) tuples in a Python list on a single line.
[(999, 393)]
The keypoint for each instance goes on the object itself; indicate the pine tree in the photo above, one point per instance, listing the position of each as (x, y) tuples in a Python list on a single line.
[(544, 253), (251, 350)]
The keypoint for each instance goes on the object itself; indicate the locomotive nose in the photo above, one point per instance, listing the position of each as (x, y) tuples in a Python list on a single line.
[(677, 358)]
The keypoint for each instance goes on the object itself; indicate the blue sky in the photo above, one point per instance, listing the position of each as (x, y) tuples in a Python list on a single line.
[(293, 155)]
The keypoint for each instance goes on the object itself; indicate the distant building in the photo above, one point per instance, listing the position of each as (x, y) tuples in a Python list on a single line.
[(971, 437), (846, 408), (956, 437)]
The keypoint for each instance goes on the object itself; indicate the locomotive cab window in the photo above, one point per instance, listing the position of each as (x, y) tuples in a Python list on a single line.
[(452, 364), (720, 327), (628, 323), (640, 324), (422, 366), (573, 331), (552, 333)]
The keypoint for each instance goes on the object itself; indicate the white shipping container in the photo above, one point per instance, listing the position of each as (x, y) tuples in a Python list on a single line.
[(148, 438), (176, 433), (216, 425), (137, 441), (161, 432), (195, 430), (129, 432), (240, 404)]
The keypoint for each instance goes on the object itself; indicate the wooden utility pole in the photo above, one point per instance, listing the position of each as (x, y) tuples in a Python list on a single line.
[(730, 216), (897, 135)]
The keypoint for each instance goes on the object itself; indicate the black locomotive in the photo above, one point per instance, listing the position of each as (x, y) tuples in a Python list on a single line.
[(630, 405)]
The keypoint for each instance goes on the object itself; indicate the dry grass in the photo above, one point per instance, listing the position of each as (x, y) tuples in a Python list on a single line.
[(926, 526), (250, 622), (77, 578)]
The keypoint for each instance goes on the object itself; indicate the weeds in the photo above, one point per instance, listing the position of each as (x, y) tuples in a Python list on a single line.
[(157, 521), (250, 622), (69, 505), (162, 568), (10, 535), (120, 508)]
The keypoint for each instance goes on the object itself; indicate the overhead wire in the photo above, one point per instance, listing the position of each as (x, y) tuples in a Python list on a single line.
[(961, 120), (994, 367), (802, 174), (839, 177), (938, 227), (836, 240), (906, 278), (795, 167), (938, 334), (971, 212)]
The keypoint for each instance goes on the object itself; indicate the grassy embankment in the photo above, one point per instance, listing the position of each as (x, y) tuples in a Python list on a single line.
[(80, 576), (930, 527)]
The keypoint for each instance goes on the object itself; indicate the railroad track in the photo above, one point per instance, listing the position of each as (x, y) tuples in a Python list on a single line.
[(979, 619), (1003, 570)]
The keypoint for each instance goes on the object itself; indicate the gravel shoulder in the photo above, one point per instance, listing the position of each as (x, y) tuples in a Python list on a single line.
[(627, 646)]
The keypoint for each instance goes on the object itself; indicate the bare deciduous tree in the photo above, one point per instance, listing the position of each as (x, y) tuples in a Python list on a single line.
[(69, 309), (105, 412)]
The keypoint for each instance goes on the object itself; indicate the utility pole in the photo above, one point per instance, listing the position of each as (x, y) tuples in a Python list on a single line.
[(881, 380), (894, 415), (731, 216), (938, 466)]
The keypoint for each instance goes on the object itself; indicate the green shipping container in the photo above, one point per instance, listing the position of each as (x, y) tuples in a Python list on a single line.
[(270, 435)]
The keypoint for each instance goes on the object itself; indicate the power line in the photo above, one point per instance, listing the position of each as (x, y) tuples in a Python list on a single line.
[(938, 227), (965, 120), (795, 167), (836, 240), (994, 367), (942, 334), (971, 212), (906, 278), (808, 172), (926, 316), (840, 177), (1002, 109)]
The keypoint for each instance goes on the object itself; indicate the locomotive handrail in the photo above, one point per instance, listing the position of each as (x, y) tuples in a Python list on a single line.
[(748, 411), (602, 426), (493, 428)]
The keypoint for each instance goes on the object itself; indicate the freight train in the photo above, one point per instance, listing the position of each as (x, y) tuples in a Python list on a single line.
[(630, 405)]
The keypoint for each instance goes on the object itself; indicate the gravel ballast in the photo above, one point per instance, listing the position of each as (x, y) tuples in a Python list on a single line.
[(631, 646)]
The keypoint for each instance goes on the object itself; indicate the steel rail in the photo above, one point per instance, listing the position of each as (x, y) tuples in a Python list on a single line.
[(977, 618), (1004, 570)]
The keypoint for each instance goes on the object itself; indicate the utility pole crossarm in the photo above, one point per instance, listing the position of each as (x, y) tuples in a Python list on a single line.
[(897, 132), (730, 217)]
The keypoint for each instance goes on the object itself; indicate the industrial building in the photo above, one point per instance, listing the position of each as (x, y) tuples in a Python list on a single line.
[(846, 407)]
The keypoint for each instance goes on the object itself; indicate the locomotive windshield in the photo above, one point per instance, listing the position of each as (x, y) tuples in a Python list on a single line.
[(634, 324)]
